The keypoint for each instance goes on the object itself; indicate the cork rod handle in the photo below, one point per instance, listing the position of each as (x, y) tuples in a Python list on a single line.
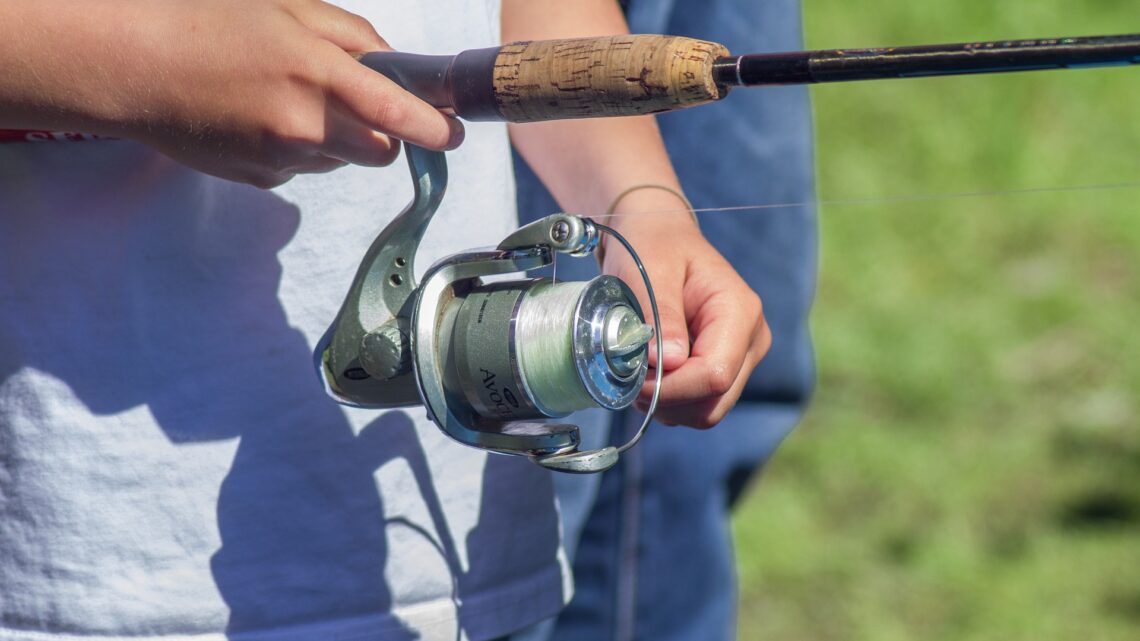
[(606, 76), (559, 79)]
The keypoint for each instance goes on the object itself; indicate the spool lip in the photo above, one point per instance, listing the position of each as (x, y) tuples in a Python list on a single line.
[(609, 389)]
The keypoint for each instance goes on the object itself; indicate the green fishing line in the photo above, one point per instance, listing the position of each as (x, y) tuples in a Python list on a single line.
[(545, 347)]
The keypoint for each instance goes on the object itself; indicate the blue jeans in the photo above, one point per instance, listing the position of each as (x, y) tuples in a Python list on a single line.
[(654, 558)]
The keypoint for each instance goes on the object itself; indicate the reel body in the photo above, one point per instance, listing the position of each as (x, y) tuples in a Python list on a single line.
[(491, 361)]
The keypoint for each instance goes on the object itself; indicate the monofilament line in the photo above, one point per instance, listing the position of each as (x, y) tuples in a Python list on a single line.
[(545, 327), (874, 200)]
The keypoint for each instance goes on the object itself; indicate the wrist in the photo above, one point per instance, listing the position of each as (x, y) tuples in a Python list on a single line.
[(650, 208), (642, 197)]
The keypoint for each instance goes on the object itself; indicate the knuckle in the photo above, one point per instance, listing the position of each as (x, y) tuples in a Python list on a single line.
[(362, 26), (754, 306), (707, 421), (720, 380), (306, 68), (387, 155), (715, 418), (714, 415), (671, 314), (293, 126), (389, 115), (764, 343), (402, 119)]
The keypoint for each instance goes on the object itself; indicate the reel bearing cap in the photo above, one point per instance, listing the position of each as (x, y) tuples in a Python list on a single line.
[(610, 343)]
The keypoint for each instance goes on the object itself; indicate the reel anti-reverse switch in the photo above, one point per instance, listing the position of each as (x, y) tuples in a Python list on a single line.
[(491, 362)]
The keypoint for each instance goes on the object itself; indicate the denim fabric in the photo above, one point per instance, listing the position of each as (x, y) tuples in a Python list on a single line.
[(655, 558)]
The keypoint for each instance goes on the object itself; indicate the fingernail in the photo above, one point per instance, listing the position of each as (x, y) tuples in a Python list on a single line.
[(675, 349)]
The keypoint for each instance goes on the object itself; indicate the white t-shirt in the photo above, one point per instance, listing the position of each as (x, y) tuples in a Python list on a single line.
[(169, 465)]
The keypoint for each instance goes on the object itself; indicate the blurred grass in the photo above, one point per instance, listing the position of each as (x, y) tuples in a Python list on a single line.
[(970, 468)]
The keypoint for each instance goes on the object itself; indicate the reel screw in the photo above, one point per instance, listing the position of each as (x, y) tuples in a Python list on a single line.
[(560, 231)]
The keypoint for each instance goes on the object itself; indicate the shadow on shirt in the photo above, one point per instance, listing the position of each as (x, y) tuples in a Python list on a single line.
[(177, 310)]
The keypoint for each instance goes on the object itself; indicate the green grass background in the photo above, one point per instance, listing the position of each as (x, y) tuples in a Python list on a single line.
[(970, 467)]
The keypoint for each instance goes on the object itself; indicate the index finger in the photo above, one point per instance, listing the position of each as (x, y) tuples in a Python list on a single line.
[(345, 29), (724, 330), (382, 105)]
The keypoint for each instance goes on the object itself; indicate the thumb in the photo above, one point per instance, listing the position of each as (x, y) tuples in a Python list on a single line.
[(667, 277), (668, 287), (673, 333)]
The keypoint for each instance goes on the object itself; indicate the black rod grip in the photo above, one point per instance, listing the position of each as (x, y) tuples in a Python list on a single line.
[(462, 84)]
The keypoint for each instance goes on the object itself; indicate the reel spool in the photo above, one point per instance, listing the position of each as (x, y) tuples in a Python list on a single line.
[(534, 349), (490, 361)]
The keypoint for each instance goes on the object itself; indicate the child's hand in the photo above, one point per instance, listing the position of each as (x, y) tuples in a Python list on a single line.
[(250, 90), (713, 324)]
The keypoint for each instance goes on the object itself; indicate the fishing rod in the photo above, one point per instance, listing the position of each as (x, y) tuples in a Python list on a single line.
[(493, 361), (647, 74)]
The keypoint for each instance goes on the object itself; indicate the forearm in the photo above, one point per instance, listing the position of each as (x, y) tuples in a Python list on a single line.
[(587, 163), (58, 60), (712, 326)]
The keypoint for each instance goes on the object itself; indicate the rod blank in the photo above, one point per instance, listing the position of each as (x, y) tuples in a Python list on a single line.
[(840, 65)]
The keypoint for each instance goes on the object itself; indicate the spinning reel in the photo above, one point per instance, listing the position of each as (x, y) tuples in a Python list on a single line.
[(491, 361)]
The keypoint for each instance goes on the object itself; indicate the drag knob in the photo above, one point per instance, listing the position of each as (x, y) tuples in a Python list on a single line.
[(624, 339)]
